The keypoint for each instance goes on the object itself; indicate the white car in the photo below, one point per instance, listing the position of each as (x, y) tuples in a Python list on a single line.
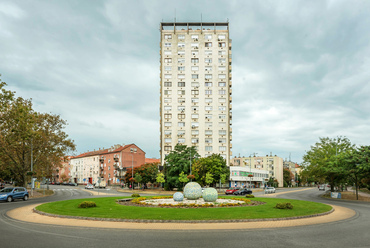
[(89, 186), (270, 190)]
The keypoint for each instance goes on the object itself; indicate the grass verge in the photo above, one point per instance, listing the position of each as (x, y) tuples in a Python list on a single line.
[(108, 208)]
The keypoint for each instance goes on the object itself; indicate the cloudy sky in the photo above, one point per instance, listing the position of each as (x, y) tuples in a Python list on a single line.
[(301, 69)]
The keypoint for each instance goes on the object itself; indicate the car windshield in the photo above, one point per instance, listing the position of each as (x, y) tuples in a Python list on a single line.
[(6, 190)]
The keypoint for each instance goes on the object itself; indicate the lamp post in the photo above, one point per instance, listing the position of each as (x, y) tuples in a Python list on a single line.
[(132, 150), (190, 166)]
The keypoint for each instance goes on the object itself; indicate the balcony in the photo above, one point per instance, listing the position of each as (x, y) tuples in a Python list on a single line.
[(116, 159)]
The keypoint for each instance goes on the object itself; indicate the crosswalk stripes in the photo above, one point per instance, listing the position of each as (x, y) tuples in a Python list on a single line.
[(63, 189)]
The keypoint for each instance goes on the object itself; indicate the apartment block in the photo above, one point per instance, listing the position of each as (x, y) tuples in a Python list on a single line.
[(196, 88)]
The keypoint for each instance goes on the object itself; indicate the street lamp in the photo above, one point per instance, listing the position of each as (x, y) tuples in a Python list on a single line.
[(132, 150)]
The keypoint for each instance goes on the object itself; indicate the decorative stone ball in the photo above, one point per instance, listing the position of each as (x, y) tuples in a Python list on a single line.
[(210, 195), (178, 196), (192, 191)]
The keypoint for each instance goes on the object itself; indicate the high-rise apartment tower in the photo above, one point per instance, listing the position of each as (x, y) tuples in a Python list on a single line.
[(195, 92)]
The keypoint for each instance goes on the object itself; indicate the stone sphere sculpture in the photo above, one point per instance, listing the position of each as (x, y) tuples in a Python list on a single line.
[(192, 191), (210, 195), (178, 196)]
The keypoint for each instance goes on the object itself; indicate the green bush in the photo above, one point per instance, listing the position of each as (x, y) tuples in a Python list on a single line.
[(284, 205), (135, 195), (87, 204), (249, 196)]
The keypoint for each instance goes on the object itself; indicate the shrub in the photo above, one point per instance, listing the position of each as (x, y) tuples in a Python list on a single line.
[(87, 204), (135, 195), (284, 205), (249, 196)]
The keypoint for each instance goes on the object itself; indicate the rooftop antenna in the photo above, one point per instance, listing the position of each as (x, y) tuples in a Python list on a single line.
[(290, 157), (175, 14), (201, 18)]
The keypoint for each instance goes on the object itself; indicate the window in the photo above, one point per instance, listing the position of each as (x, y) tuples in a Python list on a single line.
[(181, 45), (167, 108), (195, 100), (221, 116), (208, 117), (168, 68), (167, 84), (181, 124), (194, 132), (181, 92), (222, 52), (195, 45), (221, 140), (167, 52), (167, 92), (194, 124), (194, 116), (208, 68), (208, 92), (208, 108), (207, 60), (194, 84), (168, 100), (195, 141), (181, 108), (167, 76), (194, 36), (167, 140), (208, 44), (207, 36), (180, 132), (208, 132), (194, 52), (181, 68), (195, 108), (222, 76), (167, 132), (194, 60), (222, 84), (221, 68), (222, 124), (208, 76), (208, 52), (208, 140), (222, 132), (167, 116), (167, 44), (222, 108), (167, 148), (181, 53), (181, 116), (222, 60), (221, 44), (221, 36), (168, 60), (222, 100), (208, 148), (168, 124), (208, 84), (222, 148), (180, 60), (208, 124), (180, 76), (181, 84), (208, 100), (181, 140), (168, 36), (195, 68), (194, 76), (181, 37), (222, 92), (181, 100)]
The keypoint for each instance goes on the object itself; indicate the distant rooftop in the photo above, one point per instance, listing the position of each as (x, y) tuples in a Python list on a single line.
[(194, 25)]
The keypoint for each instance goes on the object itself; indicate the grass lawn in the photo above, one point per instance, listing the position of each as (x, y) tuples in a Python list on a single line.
[(108, 208)]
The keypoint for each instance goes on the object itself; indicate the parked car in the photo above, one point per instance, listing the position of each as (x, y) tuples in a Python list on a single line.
[(270, 190), (231, 191), (11, 193), (243, 192), (89, 186), (72, 184)]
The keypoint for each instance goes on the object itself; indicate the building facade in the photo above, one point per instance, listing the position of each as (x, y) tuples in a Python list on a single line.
[(272, 164), (240, 177), (195, 88)]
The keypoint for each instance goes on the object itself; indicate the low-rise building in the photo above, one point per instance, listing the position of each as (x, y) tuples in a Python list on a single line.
[(242, 176)]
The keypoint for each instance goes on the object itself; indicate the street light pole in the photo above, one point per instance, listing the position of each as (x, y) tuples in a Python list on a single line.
[(132, 150), (190, 166)]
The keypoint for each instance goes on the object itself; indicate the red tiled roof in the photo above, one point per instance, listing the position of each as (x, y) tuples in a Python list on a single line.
[(105, 151), (152, 160)]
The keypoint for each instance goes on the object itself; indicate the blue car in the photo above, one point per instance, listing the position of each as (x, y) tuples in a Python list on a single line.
[(11, 193)]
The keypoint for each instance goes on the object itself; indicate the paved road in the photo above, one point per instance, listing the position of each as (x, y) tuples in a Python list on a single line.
[(353, 232)]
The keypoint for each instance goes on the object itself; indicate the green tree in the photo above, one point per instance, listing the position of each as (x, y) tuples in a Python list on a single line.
[(178, 161), (214, 164), (25, 133), (138, 178), (209, 178), (287, 177), (319, 159), (183, 178), (160, 178)]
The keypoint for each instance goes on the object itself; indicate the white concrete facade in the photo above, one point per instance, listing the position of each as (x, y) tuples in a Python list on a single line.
[(84, 168), (239, 177), (195, 88)]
